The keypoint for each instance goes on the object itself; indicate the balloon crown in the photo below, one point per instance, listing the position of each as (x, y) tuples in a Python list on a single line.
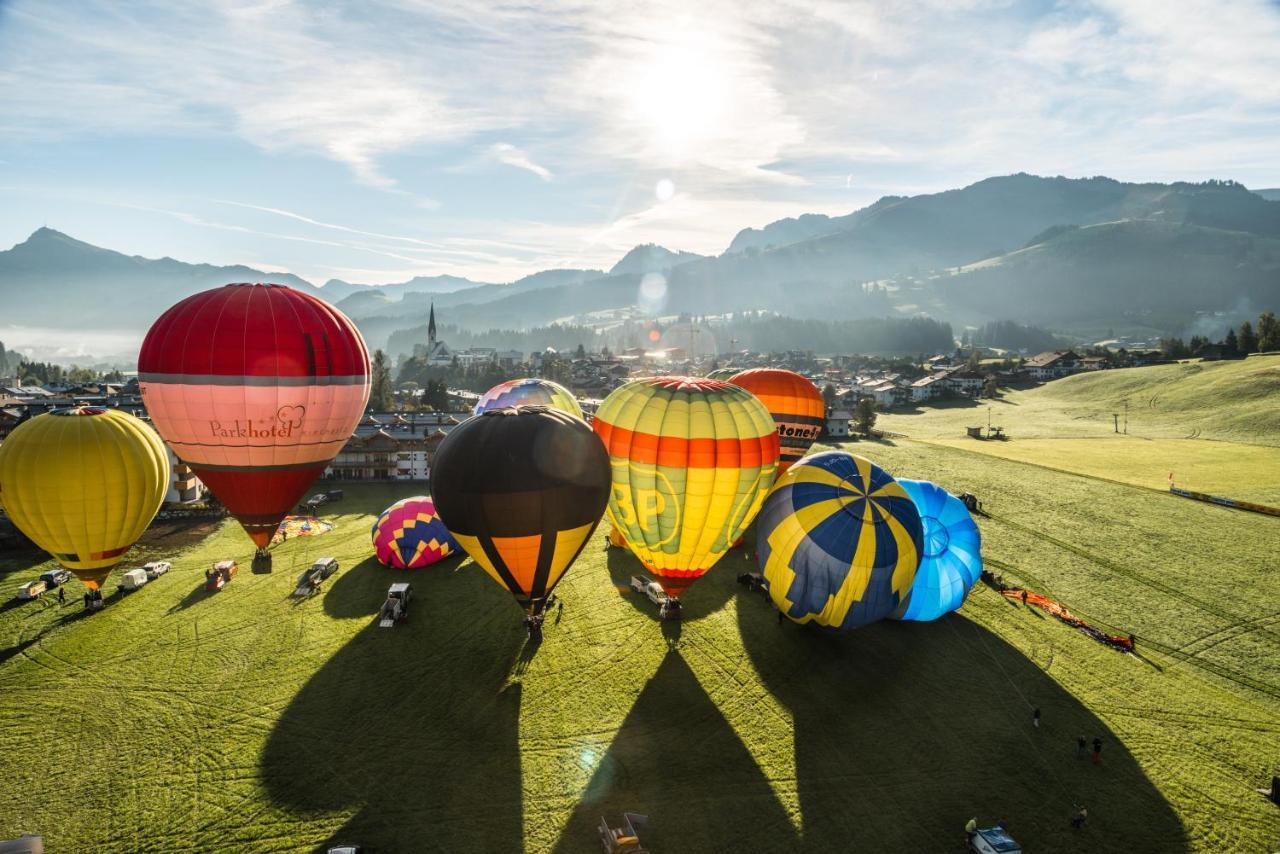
[(254, 285), (517, 410), (79, 410)]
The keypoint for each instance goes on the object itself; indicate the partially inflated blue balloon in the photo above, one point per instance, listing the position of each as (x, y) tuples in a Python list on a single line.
[(951, 560)]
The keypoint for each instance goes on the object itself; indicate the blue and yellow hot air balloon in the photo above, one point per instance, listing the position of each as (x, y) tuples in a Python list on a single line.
[(533, 391), (951, 561), (838, 541), (83, 484)]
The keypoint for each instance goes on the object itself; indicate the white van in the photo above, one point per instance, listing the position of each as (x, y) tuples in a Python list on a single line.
[(133, 579)]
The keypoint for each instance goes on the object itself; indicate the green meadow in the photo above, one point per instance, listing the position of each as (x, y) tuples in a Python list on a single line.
[(247, 721)]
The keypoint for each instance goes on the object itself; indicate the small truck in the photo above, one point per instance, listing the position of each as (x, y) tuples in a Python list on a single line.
[(668, 608), (396, 608), (309, 581), (993, 840), (55, 577), (219, 575)]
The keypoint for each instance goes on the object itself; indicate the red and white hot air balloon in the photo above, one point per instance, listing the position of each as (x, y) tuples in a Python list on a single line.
[(257, 388)]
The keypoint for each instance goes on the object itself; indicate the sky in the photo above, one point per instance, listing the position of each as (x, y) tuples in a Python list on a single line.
[(373, 141)]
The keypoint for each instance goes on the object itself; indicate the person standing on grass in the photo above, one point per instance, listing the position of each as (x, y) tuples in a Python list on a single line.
[(62, 595), (1078, 820), (1097, 750), (971, 828), (1035, 718), (1081, 747)]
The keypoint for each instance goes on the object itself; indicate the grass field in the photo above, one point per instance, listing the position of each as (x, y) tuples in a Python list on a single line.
[(242, 721)]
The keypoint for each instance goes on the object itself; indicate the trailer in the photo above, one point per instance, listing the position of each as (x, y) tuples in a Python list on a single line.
[(133, 579), (32, 590)]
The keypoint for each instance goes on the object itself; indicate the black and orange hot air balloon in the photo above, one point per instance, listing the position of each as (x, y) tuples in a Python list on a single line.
[(257, 388), (522, 489), (796, 405)]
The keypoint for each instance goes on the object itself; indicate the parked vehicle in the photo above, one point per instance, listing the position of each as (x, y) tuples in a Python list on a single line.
[(156, 568), (309, 581), (993, 840), (32, 590), (333, 495), (220, 574), (396, 608), (55, 577), (133, 579)]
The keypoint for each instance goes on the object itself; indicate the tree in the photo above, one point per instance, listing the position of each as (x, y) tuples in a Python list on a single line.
[(1248, 339), (864, 415), (829, 395), (991, 388), (974, 362), (581, 352), (381, 391), (1231, 342), (1268, 332)]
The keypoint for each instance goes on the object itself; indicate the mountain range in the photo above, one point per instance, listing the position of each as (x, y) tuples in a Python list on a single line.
[(1068, 254)]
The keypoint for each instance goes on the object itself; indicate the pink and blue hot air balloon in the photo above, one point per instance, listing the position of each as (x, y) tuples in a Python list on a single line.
[(951, 560), (410, 535)]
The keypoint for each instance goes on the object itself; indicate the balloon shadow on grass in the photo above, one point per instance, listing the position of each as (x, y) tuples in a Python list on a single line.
[(677, 760), (414, 727), (903, 731), (361, 590)]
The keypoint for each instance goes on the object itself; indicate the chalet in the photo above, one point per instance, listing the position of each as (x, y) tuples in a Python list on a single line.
[(392, 446), (927, 388), (965, 383), (1052, 365), (1093, 363)]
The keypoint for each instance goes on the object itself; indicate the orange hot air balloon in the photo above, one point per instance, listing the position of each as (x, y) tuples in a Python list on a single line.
[(257, 388), (796, 405)]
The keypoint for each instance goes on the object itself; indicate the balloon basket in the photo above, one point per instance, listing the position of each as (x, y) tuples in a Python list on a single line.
[(261, 563), (669, 610)]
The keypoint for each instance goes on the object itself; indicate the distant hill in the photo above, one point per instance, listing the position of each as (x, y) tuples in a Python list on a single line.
[(339, 289), (1271, 195), (1154, 272), (651, 258), (51, 279)]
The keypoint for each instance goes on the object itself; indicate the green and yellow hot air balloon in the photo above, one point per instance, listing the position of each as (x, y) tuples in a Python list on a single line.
[(692, 460), (83, 484)]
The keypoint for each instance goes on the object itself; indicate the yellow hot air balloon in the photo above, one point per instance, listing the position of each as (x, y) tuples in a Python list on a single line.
[(83, 484), (692, 461)]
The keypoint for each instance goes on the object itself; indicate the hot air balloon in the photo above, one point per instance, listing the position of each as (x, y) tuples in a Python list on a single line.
[(692, 460), (796, 405), (838, 541), (522, 489), (951, 561), (410, 535), (529, 392), (83, 484), (257, 388)]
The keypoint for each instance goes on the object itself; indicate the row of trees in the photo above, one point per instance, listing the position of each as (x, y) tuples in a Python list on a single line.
[(1264, 339)]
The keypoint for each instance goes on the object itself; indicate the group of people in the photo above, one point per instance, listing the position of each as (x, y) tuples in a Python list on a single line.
[(1082, 749)]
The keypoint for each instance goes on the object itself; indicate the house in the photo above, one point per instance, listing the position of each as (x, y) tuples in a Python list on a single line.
[(1093, 363), (392, 446), (1052, 365), (837, 425)]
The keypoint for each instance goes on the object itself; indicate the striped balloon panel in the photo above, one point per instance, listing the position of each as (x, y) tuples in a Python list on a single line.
[(257, 388), (692, 460), (952, 554), (410, 535), (521, 490), (838, 541), (83, 484), (795, 403), (529, 392)]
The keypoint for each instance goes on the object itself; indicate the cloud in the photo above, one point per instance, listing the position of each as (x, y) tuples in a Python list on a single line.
[(504, 152)]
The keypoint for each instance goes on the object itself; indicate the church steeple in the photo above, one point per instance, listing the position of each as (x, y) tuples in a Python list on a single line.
[(431, 327)]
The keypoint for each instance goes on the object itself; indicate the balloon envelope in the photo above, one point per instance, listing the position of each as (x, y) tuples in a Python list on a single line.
[(83, 484), (796, 405), (257, 388), (838, 541), (692, 460), (951, 560), (529, 392), (410, 535), (722, 374), (521, 490)]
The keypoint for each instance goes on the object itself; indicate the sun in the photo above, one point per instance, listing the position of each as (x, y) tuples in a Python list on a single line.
[(677, 93)]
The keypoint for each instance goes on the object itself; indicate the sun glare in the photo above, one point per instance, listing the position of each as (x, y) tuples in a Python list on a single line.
[(677, 93)]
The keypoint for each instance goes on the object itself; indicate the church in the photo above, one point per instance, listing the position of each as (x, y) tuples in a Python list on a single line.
[(436, 353)]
